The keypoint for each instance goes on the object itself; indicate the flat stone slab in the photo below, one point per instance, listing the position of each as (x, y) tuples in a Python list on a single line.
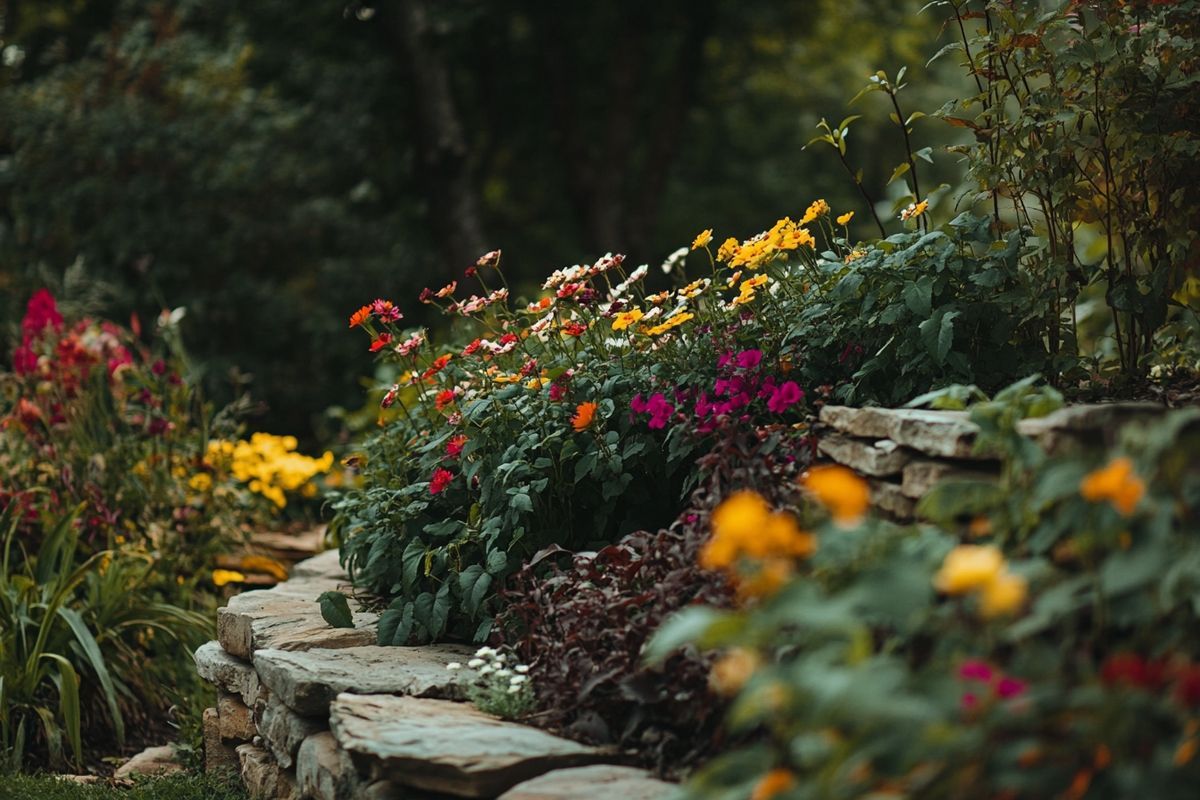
[(283, 730), (226, 672), (880, 458), (322, 565), (599, 782), (288, 617), (443, 746), (921, 476), (889, 498), (949, 434), (161, 760), (307, 681)]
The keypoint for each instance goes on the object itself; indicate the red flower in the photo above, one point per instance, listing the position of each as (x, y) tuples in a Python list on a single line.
[(454, 447), (360, 316), (444, 398), (40, 313), (381, 341), (472, 347), (508, 338), (24, 360), (1130, 669), (441, 479), (437, 366), (1187, 689), (574, 329)]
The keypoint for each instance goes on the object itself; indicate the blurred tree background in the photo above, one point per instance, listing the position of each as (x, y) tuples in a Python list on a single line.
[(272, 165)]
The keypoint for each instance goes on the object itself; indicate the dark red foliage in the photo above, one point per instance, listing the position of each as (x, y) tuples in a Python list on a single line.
[(581, 620)]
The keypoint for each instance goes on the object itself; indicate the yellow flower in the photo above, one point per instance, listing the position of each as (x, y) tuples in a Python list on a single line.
[(200, 482), (702, 239), (1117, 483), (855, 255), (845, 218), (220, 577), (1002, 595), (732, 670), (969, 567), (727, 250), (818, 209), (626, 318), (745, 527), (840, 490), (673, 321), (751, 284), (914, 210)]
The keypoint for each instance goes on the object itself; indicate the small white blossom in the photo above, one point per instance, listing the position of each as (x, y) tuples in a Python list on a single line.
[(514, 689), (674, 259), (485, 652), (497, 664), (485, 670), (503, 673), (475, 663), (517, 680), (522, 668), (453, 665)]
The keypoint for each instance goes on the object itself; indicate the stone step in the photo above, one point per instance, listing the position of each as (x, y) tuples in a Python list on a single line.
[(921, 476), (443, 746), (322, 565), (949, 434), (880, 458), (288, 617), (307, 681), (262, 777), (889, 498), (598, 782), (227, 673)]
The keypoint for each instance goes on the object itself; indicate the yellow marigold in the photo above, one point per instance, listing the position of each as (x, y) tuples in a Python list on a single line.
[(1117, 483), (1003, 595), (845, 218), (818, 209), (840, 490), (200, 482), (744, 526), (220, 577), (693, 289), (764, 579), (673, 321), (774, 783), (732, 670), (914, 210), (796, 237), (969, 567), (584, 413), (626, 318), (751, 284), (727, 250), (702, 239)]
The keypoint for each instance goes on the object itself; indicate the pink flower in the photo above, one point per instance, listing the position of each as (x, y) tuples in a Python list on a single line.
[(24, 360), (660, 411), (638, 404), (785, 397), (440, 480), (389, 399), (454, 447), (749, 359), (1009, 688), (975, 670), (41, 312)]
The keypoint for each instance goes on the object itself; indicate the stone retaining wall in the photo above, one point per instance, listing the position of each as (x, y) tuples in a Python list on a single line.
[(903, 453), (310, 712)]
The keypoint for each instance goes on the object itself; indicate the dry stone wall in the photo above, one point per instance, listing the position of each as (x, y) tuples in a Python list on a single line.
[(310, 712), (903, 452)]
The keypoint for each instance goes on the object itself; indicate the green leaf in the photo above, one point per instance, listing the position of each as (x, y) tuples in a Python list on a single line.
[(690, 626), (898, 171), (336, 610), (95, 658), (395, 625)]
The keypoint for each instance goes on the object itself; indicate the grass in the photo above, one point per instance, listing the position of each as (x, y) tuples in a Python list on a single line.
[(186, 786)]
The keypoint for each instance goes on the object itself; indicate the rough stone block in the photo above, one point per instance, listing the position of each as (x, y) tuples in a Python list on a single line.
[(880, 458), (288, 618), (948, 434), (322, 565), (599, 782), (282, 730), (262, 777), (324, 771), (237, 720), (226, 672), (218, 756), (888, 498), (443, 746), (921, 476), (308, 681)]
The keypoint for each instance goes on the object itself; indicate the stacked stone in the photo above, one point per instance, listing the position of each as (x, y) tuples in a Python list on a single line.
[(905, 452), (310, 712)]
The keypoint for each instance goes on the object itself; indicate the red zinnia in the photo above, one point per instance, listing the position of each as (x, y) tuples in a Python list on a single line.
[(380, 342), (441, 479), (472, 347), (444, 398), (437, 366), (360, 316), (454, 447), (574, 328)]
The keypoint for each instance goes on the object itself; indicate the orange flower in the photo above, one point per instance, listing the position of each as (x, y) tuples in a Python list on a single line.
[(774, 783), (732, 670), (584, 412), (437, 366), (1117, 483), (360, 316), (840, 490)]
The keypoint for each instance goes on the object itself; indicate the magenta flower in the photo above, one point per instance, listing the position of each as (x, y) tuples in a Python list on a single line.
[(976, 670), (441, 479), (1008, 688), (660, 411), (749, 359), (784, 397)]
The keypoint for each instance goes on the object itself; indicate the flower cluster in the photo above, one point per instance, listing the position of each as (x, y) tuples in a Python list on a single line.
[(755, 545), (268, 464), (499, 684), (981, 570)]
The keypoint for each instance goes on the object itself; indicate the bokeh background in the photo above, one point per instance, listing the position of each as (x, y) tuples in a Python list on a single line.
[(271, 165)]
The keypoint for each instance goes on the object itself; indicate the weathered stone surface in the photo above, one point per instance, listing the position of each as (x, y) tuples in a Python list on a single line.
[(226, 672), (151, 761), (599, 782), (218, 756), (449, 747), (889, 498), (937, 433), (283, 730), (288, 618), (880, 458), (308, 681), (324, 771), (261, 775), (236, 719), (322, 565), (286, 786), (289, 547), (1075, 428), (921, 476)]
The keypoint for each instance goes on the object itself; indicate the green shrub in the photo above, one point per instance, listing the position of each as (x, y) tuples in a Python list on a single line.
[(1051, 655)]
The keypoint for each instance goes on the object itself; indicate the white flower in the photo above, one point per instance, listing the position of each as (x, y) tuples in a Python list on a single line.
[(475, 663), (501, 657), (514, 689), (485, 652), (497, 664), (503, 673), (453, 665), (485, 670), (522, 668), (517, 680), (674, 259)]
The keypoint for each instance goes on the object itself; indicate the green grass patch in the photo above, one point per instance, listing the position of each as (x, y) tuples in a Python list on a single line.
[(187, 786)]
